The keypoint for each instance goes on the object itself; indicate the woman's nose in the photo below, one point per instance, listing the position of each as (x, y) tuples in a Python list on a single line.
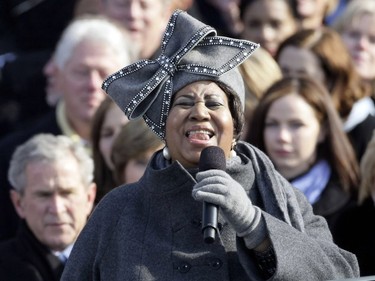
[(363, 42), (284, 134), (266, 33), (199, 111)]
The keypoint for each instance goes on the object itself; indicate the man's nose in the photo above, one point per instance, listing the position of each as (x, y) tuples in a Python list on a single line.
[(56, 204)]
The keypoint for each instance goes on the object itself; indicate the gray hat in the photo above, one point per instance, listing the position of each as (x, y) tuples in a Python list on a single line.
[(190, 52)]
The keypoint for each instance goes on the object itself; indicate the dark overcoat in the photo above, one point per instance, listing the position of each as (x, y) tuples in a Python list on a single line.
[(24, 258)]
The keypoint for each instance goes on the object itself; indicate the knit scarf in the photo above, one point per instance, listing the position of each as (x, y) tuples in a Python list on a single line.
[(314, 181)]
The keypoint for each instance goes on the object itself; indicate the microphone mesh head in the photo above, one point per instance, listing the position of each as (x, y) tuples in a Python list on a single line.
[(212, 157)]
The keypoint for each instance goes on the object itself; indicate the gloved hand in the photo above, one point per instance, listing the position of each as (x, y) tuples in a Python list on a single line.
[(219, 188)]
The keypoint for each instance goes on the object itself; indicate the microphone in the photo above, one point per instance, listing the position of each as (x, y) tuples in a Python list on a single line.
[(212, 157)]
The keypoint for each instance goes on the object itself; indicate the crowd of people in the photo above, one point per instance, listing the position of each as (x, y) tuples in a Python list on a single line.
[(106, 107)]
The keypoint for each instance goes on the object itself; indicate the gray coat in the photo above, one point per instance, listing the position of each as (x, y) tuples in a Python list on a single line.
[(151, 230)]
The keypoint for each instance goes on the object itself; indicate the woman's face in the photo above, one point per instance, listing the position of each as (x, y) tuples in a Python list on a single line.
[(113, 121), (312, 8), (268, 22), (291, 135), (136, 167), (199, 117), (359, 38), (297, 61)]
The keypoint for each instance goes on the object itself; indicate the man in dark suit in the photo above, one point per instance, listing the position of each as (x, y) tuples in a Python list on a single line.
[(88, 51), (29, 31), (53, 193)]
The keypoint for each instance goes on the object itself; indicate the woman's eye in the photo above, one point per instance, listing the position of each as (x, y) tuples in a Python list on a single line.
[(184, 103), (296, 125), (213, 104), (187, 103), (106, 134), (354, 34), (276, 24), (371, 39), (270, 124)]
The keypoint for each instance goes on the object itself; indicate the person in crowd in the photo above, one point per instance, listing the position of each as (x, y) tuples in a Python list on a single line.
[(53, 193), (340, 7), (88, 51), (106, 125), (51, 89), (258, 72), (86, 7), (144, 19), (184, 5), (297, 126), (314, 52), (356, 225), (29, 32), (192, 97), (224, 16), (132, 150), (312, 13), (268, 22), (356, 27)]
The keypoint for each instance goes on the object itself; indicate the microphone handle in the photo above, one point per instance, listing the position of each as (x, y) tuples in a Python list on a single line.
[(209, 222)]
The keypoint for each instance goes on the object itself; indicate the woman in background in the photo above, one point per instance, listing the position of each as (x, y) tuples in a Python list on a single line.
[(106, 125), (268, 22), (132, 150), (258, 72), (321, 54), (356, 26), (297, 126)]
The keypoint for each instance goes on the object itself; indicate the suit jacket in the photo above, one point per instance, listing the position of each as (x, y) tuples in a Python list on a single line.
[(30, 29), (8, 217), (357, 231), (150, 230), (361, 134), (24, 258)]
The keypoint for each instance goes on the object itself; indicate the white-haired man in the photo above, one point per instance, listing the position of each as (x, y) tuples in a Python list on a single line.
[(89, 49)]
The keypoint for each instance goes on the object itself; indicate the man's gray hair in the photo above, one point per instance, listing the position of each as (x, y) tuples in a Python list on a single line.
[(48, 148), (94, 29)]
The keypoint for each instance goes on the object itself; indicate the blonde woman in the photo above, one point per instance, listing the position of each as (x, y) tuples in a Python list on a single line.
[(258, 72), (356, 27)]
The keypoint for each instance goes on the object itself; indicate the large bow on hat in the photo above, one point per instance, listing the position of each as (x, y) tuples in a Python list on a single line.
[(190, 52)]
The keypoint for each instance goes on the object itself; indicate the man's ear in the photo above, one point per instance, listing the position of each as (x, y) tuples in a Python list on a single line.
[(16, 198), (91, 194)]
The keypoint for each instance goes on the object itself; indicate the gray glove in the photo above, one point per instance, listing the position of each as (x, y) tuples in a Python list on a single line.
[(219, 188)]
